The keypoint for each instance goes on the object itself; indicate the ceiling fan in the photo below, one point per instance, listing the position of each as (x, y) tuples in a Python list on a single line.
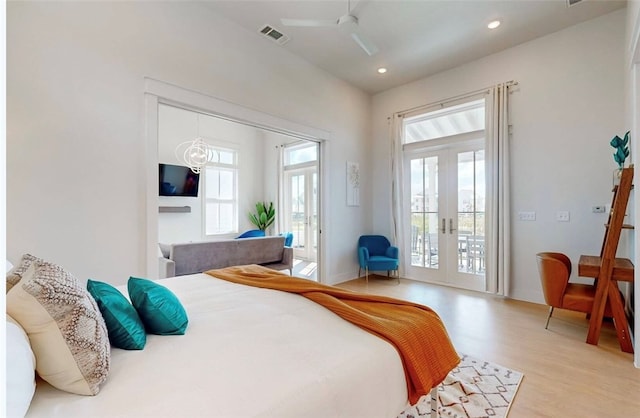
[(347, 23)]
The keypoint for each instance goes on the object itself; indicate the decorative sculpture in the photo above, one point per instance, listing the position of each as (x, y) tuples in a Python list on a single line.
[(622, 149)]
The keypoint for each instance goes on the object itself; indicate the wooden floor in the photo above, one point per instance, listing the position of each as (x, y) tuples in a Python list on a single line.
[(563, 375)]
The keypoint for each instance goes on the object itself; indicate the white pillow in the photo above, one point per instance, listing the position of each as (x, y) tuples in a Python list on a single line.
[(9, 266), (21, 366)]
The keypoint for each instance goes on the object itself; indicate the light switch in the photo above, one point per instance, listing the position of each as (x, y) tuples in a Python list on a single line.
[(527, 216)]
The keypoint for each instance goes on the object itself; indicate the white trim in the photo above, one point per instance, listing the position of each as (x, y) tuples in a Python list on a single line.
[(195, 100), (152, 200), (634, 45), (156, 92)]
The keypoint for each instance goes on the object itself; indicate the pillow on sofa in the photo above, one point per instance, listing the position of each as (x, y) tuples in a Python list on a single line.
[(165, 250), (160, 310), (15, 274), (21, 373), (67, 333), (124, 326)]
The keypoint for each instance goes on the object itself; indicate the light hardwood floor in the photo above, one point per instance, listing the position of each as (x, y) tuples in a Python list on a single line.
[(563, 375)]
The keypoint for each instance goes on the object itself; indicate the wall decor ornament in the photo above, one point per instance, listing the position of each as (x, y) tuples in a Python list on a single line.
[(621, 146), (353, 184), (622, 149)]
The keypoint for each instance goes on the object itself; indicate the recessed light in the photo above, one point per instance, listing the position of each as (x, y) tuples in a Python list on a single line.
[(494, 24), (382, 70)]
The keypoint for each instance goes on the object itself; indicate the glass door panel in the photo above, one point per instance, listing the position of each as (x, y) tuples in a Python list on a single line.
[(470, 203), (446, 217), (424, 212), (302, 219)]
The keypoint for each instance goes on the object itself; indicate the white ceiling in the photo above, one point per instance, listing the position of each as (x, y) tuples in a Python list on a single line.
[(416, 38)]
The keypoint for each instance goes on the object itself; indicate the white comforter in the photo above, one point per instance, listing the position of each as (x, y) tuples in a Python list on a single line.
[(247, 352)]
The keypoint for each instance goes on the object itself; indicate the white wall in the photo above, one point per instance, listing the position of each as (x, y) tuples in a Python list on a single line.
[(75, 134), (568, 105)]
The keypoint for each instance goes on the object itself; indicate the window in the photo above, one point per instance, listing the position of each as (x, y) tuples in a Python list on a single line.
[(453, 120), (221, 192)]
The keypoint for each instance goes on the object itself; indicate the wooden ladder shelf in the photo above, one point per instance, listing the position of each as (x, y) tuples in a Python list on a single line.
[(608, 270)]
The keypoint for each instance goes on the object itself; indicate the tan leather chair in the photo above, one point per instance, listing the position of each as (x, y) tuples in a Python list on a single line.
[(555, 269)]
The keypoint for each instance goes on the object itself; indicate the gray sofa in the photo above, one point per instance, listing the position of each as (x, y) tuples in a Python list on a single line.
[(197, 257)]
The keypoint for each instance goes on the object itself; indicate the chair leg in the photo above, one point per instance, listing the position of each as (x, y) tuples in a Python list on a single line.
[(549, 317), (366, 274), (359, 270)]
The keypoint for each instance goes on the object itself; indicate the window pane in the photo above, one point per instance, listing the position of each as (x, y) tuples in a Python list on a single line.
[(227, 184), (221, 193), (466, 182), (424, 184), (424, 212), (424, 240), (212, 220), (466, 117), (219, 218), (480, 182), (226, 217), (297, 211), (226, 157), (301, 154), (212, 182)]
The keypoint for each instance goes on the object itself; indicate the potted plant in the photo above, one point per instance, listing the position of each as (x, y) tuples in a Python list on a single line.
[(264, 216)]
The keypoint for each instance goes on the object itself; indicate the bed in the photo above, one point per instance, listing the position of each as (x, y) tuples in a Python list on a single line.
[(247, 352)]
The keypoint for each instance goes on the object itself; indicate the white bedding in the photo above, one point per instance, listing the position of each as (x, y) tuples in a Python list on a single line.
[(247, 352)]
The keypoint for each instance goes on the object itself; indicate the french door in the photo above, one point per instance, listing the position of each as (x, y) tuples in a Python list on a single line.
[(301, 216), (446, 216)]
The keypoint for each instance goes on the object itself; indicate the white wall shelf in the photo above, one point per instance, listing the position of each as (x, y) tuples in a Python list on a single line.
[(174, 209)]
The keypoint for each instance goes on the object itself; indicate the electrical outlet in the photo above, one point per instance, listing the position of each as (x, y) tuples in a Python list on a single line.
[(527, 216), (597, 209), (562, 216)]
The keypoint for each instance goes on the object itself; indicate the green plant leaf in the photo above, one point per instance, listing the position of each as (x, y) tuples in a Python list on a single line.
[(264, 216)]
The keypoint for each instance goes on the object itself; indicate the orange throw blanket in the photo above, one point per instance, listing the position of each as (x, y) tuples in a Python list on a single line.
[(416, 331)]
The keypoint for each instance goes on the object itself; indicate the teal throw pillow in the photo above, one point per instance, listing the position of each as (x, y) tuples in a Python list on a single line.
[(124, 326), (160, 310)]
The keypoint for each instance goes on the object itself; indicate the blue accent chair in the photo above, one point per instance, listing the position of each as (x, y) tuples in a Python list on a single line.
[(376, 253), (288, 239), (252, 233)]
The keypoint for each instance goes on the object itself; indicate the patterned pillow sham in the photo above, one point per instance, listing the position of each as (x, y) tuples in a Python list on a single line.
[(15, 274), (67, 332)]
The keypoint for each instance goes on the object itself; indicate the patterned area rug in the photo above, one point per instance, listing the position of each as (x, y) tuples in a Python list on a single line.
[(474, 389)]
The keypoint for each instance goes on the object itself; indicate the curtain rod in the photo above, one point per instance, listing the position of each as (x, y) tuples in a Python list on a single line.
[(451, 99)]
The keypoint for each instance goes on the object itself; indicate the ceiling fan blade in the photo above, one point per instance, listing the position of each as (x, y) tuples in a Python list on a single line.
[(365, 43), (309, 22)]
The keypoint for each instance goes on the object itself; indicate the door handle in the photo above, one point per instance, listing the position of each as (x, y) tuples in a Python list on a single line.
[(451, 228), (444, 226)]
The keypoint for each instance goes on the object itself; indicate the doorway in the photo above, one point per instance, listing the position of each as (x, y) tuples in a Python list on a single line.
[(300, 215), (444, 209), (273, 131), (447, 215)]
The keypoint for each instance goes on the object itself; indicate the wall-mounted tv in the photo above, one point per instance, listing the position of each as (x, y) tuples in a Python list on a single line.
[(177, 180)]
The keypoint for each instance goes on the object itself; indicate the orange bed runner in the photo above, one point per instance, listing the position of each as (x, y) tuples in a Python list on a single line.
[(415, 330)]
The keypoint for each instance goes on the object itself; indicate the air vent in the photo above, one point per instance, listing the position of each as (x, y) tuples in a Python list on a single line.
[(274, 34), (572, 2)]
